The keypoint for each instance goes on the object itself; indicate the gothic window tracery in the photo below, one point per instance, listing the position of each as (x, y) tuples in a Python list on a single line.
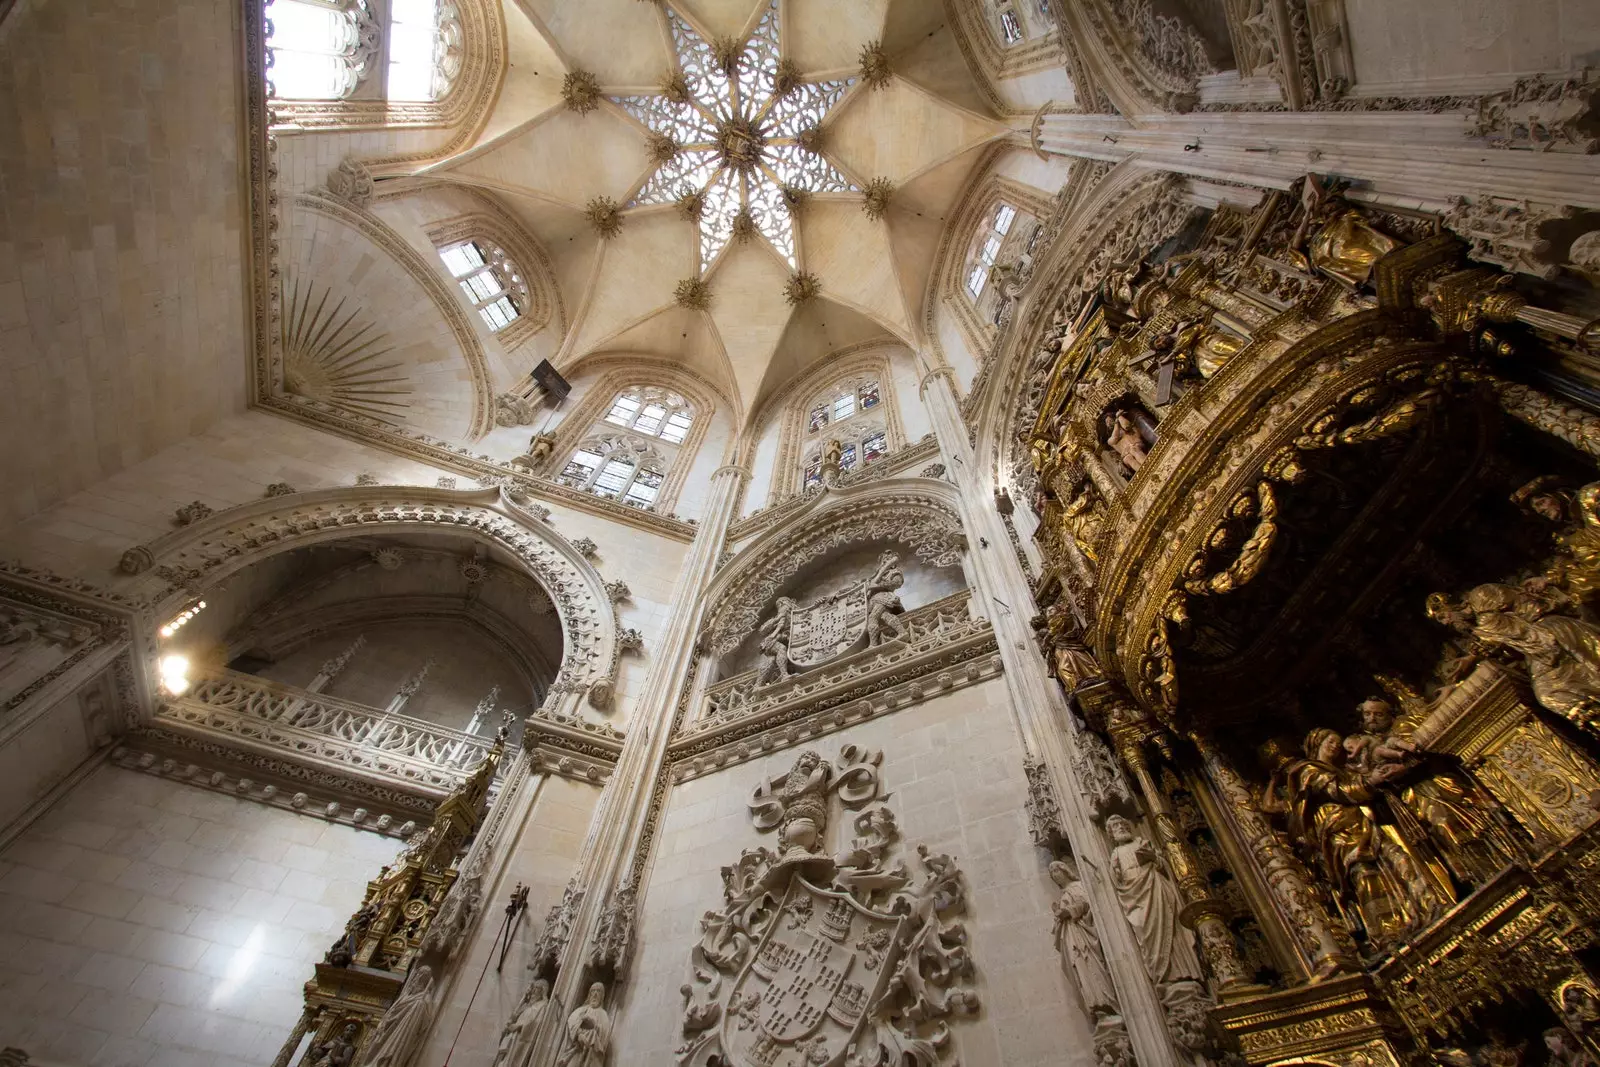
[(493, 284), (653, 412), (1016, 21), (617, 467), (841, 413), (328, 50), (987, 248)]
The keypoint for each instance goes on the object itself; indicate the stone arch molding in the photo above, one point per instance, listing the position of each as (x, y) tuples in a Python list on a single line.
[(922, 512), (197, 557)]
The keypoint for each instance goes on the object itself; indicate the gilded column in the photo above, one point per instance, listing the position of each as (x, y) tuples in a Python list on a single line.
[(1204, 914), (1327, 945)]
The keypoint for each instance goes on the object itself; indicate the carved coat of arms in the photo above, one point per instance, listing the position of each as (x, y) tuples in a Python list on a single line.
[(821, 630), (808, 635), (820, 960)]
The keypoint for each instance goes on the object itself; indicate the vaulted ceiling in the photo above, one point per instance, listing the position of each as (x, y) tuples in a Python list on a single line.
[(922, 130)]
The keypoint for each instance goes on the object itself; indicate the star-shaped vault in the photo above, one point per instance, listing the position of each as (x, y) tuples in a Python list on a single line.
[(733, 133)]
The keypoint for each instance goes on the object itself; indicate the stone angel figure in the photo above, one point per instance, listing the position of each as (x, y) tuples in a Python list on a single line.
[(588, 1031), (1562, 653), (404, 1025), (518, 1038)]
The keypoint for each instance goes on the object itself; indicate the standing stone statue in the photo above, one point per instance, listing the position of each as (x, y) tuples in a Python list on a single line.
[(1152, 903), (336, 1051), (517, 1041), (588, 1031), (1079, 942), (404, 1025)]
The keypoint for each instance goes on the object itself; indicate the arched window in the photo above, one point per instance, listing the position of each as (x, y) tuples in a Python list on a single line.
[(631, 447), (617, 467), (1015, 21), (326, 49), (492, 282), (845, 412), (653, 412), (987, 247), (319, 49)]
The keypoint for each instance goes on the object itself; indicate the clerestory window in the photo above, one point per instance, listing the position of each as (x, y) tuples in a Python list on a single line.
[(616, 468), (326, 49), (841, 403), (989, 243), (492, 282), (653, 412)]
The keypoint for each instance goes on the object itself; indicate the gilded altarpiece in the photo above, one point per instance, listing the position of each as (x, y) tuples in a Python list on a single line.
[(1320, 569)]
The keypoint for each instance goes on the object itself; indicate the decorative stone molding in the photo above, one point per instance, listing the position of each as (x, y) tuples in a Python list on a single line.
[(586, 547), (222, 770), (580, 91), (895, 463), (942, 649), (569, 745), (876, 196), (280, 489), (612, 944), (919, 514), (605, 215), (351, 182), (545, 956), (874, 65), (1044, 808), (209, 551), (191, 513), (1542, 114), (618, 591), (366, 478), (630, 640), (1508, 233), (892, 938)]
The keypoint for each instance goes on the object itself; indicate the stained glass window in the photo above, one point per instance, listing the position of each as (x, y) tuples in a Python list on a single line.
[(580, 468), (412, 31), (847, 458), (1012, 27), (819, 418), (869, 396), (813, 473), (613, 477), (874, 445), (738, 139), (642, 493), (844, 407)]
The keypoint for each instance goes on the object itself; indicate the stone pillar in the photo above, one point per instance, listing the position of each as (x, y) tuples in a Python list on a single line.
[(1002, 594), (622, 821)]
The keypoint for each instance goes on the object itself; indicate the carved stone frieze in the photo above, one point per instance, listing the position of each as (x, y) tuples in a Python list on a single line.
[(943, 648), (882, 944), (930, 526), (1044, 807), (1508, 234), (545, 957), (613, 939), (1542, 114)]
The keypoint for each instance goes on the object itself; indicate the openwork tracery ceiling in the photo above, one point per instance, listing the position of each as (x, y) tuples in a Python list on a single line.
[(739, 128)]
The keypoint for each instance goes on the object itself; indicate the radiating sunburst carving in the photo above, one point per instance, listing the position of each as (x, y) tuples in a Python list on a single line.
[(329, 356), (740, 118)]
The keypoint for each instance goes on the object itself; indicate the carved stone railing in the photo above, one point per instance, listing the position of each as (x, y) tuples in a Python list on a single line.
[(293, 724), (941, 640), (914, 458)]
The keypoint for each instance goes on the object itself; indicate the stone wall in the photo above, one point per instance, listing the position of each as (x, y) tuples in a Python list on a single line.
[(1467, 45), (146, 922), (122, 323), (953, 770)]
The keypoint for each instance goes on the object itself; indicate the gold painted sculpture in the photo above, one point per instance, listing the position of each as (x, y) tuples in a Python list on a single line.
[(1562, 653)]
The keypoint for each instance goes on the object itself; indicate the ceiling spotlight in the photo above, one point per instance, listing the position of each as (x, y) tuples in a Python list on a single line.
[(174, 671)]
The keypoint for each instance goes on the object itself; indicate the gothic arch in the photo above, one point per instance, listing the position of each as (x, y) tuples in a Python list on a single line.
[(195, 558), (922, 512)]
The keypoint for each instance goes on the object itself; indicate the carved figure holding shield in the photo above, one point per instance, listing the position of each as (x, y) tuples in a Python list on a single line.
[(883, 602), (775, 644)]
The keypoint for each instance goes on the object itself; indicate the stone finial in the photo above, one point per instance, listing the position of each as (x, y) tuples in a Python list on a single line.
[(586, 547), (280, 489), (445, 481), (618, 591), (366, 478), (630, 640)]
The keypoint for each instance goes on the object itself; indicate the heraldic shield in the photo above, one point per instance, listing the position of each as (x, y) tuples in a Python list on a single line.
[(827, 628), (801, 999)]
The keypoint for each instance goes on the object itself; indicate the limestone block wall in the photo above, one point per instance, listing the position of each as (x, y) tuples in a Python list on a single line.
[(122, 323), (146, 922), (953, 770), (554, 816), (1467, 45), (44, 750)]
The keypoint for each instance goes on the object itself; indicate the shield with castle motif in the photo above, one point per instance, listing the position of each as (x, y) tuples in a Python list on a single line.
[(802, 997), (825, 628)]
